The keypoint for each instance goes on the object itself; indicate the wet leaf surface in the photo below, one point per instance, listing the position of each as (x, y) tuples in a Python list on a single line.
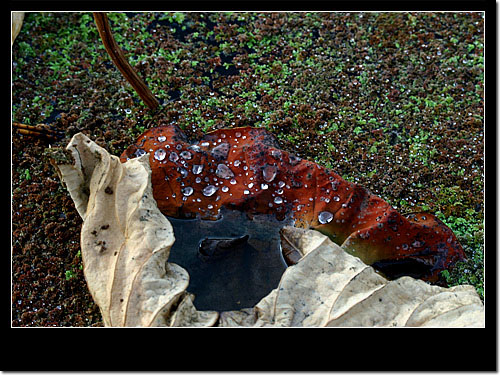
[(243, 169)]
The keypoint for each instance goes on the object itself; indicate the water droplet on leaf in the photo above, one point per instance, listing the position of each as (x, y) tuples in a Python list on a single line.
[(325, 217), (186, 155), (223, 171), (197, 168), (160, 154), (187, 191), (269, 172), (220, 152), (173, 157), (209, 190)]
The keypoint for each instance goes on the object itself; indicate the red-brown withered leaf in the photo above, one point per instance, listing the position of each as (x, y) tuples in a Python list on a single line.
[(243, 169)]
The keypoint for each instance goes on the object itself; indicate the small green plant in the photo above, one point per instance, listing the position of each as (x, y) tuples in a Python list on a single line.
[(70, 274), (25, 175), (179, 17)]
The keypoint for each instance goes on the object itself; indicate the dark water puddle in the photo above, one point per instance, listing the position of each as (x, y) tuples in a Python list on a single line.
[(233, 262)]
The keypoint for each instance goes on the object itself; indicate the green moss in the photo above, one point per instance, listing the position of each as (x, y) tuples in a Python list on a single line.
[(70, 274), (471, 237)]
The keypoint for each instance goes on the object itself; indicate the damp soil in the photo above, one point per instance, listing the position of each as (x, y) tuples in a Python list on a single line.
[(392, 101)]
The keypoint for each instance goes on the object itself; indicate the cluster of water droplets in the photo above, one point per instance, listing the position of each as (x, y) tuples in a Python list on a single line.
[(230, 172)]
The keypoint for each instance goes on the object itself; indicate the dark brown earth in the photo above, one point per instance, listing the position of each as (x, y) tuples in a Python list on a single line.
[(393, 101)]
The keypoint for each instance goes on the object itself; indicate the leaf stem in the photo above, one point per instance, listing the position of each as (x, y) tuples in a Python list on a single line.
[(119, 59)]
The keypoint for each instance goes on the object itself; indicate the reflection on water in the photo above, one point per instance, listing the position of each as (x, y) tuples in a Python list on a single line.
[(240, 260)]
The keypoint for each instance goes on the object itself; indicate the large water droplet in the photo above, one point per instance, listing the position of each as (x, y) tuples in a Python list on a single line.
[(220, 152), (184, 173), (264, 186), (278, 200), (325, 217), (173, 157), (336, 198), (209, 190), (223, 171), (187, 191), (233, 181), (162, 138), (269, 172), (225, 189), (186, 155), (197, 168), (160, 154)]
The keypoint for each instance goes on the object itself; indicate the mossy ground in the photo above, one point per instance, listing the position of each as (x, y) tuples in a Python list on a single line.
[(392, 101)]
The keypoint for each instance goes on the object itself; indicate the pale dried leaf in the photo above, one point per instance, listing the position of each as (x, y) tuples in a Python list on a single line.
[(125, 239), (186, 315), (330, 287), (241, 318), (17, 24)]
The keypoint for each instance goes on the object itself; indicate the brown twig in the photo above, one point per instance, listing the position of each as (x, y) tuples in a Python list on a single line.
[(40, 130), (119, 59)]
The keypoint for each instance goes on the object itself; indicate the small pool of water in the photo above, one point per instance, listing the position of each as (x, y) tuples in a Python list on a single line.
[(238, 263)]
